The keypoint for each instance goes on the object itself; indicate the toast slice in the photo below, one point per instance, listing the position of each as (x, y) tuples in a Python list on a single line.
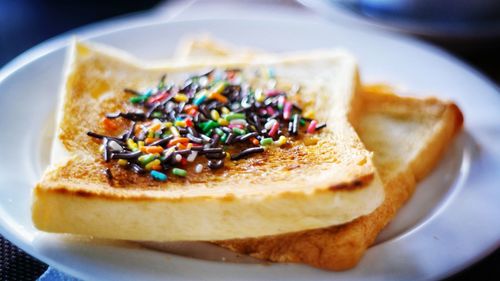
[(325, 180), (407, 136)]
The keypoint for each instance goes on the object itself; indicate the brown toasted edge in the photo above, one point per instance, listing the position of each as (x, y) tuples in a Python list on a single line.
[(135, 195), (355, 184)]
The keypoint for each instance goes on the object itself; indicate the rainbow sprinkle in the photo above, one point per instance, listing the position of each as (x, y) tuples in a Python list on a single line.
[(172, 127)]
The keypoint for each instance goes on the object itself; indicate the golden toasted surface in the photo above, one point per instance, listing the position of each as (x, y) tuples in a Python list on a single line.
[(96, 88), (305, 185)]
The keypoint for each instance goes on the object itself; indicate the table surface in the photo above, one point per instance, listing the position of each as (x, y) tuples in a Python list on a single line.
[(25, 23)]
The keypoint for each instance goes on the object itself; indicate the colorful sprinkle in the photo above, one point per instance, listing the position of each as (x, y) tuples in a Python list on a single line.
[(214, 114), (152, 149), (180, 123), (274, 129), (152, 164), (175, 132), (225, 110), (210, 124), (198, 168), (180, 98), (223, 138), (200, 99), (146, 158), (281, 141), (137, 99), (192, 156), (179, 172), (266, 141), (159, 176), (173, 127), (287, 110), (309, 114), (241, 122), (223, 122), (114, 146), (177, 140), (238, 131), (269, 124), (178, 158), (132, 145), (233, 116), (312, 127), (259, 96)]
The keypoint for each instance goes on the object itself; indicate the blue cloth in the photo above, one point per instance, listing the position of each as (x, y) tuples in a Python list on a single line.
[(53, 274)]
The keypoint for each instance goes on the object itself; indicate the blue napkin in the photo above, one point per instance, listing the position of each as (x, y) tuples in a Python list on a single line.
[(53, 274)]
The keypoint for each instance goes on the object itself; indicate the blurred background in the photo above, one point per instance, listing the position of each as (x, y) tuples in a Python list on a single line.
[(469, 29), (25, 23)]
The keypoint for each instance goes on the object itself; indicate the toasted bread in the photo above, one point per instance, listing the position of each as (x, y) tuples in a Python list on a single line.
[(326, 181), (205, 46), (407, 136)]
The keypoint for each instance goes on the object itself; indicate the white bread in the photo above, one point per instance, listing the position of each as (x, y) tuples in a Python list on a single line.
[(283, 190)]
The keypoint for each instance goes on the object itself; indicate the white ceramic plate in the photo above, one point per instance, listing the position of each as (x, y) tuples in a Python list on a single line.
[(451, 221)]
